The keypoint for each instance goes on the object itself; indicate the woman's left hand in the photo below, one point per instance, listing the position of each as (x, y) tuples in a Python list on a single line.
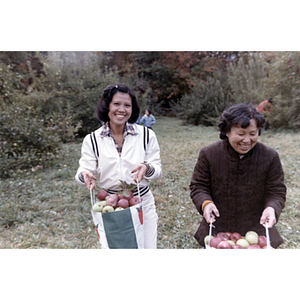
[(141, 170), (268, 217)]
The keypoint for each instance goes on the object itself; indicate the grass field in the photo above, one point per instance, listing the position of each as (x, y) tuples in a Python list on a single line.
[(48, 209)]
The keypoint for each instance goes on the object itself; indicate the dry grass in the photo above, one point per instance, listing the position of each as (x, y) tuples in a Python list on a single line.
[(48, 209)]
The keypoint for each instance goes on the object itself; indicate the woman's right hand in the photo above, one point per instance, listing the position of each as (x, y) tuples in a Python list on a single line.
[(210, 212), (89, 179)]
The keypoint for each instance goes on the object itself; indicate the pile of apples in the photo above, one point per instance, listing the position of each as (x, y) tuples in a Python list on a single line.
[(228, 240), (114, 202)]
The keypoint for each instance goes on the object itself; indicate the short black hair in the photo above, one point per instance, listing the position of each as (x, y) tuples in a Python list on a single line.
[(102, 108), (239, 114)]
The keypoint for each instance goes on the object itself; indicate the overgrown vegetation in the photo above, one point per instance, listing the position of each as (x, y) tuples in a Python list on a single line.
[(48, 98), (46, 208)]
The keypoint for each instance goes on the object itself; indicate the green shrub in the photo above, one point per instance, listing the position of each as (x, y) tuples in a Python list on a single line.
[(26, 140), (205, 103), (248, 80), (74, 83), (285, 86)]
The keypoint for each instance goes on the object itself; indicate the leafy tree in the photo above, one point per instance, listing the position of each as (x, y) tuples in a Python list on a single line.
[(74, 83), (248, 79), (56, 105), (205, 103), (285, 88), (26, 138)]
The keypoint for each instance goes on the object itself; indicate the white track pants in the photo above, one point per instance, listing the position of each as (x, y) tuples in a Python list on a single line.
[(150, 221)]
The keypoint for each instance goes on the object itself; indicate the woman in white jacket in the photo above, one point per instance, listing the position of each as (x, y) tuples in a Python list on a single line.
[(122, 150)]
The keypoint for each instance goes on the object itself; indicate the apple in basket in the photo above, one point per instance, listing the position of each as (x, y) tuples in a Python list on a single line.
[(119, 208), (253, 246), (232, 243), (102, 194), (237, 246), (207, 239), (107, 209), (235, 236), (112, 200), (214, 242), (223, 236), (135, 200), (124, 203), (251, 237), (224, 245), (262, 241), (267, 247), (242, 242), (98, 206)]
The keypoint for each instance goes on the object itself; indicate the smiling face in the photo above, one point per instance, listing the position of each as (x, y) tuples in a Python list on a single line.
[(120, 109), (243, 140)]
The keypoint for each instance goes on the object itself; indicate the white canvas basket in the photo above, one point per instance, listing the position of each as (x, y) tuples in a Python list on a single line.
[(122, 229)]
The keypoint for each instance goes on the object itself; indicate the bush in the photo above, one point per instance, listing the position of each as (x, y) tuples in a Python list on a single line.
[(26, 140), (205, 103), (285, 86), (248, 80), (74, 83)]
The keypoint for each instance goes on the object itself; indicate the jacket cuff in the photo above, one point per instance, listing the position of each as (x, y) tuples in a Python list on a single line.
[(205, 203), (150, 170), (80, 177)]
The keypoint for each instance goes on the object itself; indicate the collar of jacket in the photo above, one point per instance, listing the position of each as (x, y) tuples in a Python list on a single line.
[(106, 130), (235, 154)]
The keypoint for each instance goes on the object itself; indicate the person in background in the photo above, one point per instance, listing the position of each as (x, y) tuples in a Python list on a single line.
[(116, 151), (265, 108), (138, 120), (148, 119), (238, 182)]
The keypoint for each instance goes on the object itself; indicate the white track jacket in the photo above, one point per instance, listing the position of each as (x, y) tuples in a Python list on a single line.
[(100, 156)]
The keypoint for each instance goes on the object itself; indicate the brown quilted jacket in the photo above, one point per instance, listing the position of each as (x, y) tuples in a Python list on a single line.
[(241, 188)]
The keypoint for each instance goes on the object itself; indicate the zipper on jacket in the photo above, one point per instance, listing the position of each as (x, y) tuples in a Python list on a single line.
[(121, 168)]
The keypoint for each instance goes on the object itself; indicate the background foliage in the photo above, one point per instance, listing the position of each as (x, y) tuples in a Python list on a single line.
[(48, 98)]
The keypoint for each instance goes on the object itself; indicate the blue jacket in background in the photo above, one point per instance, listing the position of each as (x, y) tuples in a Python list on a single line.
[(147, 120)]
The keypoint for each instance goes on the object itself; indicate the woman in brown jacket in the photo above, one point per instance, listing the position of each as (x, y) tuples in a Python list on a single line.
[(238, 183)]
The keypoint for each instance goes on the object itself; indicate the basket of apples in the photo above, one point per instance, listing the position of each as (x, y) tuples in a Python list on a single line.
[(107, 203), (228, 240), (118, 218)]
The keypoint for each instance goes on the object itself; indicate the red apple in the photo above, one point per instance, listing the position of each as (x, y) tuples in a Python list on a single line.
[(135, 200), (229, 234), (254, 246), (266, 247), (237, 246), (112, 200), (235, 236), (223, 236), (262, 241), (102, 194), (214, 242), (123, 203), (224, 245)]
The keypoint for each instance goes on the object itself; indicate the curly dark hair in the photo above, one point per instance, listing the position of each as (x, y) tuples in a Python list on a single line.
[(102, 107), (239, 114)]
